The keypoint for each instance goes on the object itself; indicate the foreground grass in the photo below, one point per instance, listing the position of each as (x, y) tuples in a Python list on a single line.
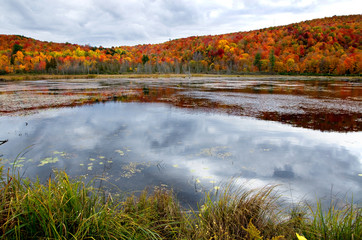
[(70, 209)]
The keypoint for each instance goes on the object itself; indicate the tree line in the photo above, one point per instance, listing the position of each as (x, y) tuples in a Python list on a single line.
[(321, 46)]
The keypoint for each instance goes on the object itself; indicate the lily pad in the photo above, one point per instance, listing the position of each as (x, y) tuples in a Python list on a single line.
[(207, 177), (218, 152), (127, 149), (133, 168), (18, 165), (48, 160), (120, 152), (17, 161)]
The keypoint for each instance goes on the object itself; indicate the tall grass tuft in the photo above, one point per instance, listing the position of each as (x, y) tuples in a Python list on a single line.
[(239, 214), (334, 223), (64, 208), (159, 211)]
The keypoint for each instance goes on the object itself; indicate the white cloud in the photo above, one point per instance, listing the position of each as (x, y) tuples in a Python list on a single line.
[(133, 22)]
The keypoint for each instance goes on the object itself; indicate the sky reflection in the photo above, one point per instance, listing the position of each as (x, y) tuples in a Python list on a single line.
[(140, 144)]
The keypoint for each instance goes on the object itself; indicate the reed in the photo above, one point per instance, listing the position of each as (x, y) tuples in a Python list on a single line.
[(65, 208), (343, 222), (62, 209)]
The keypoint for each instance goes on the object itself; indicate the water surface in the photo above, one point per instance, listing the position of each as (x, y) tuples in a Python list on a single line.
[(192, 135)]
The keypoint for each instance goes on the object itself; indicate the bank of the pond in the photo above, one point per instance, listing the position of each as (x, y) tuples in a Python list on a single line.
[(70, 209), (27, 77)]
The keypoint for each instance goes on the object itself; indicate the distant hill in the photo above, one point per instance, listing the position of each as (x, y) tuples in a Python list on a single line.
[(321, 46)]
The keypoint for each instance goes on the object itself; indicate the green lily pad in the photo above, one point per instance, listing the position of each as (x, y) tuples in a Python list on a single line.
[(133, 168), (207, 177), (18, 165), (120, 152), (48, 160)]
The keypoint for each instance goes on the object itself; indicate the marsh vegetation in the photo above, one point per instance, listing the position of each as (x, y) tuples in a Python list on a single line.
[(65, 208), (181, 139)]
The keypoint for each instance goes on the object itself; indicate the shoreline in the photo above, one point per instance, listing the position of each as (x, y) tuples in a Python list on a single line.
[(34, 77)]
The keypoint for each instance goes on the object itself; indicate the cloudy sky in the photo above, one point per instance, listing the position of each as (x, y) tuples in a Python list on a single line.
[(130, 22)]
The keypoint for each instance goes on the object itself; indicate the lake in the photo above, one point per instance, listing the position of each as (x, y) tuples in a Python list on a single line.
[(192, 134)]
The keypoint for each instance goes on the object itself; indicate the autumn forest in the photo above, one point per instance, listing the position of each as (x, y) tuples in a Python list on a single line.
[(329, 46)]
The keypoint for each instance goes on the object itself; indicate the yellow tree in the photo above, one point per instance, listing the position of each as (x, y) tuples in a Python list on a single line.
[(4, 64)]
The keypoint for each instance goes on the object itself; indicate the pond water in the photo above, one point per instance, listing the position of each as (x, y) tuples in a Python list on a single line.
[(193, 135)]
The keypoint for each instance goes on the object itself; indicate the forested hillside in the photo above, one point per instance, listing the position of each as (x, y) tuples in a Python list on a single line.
[(321, 46)]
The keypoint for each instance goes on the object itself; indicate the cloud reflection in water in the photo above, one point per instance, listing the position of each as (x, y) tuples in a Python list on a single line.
[(187, 150)]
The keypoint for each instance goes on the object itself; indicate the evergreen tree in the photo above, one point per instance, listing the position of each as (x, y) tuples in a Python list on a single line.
[(257, 61), (272, 60), (16, 48), (145, 59), (52, 64)]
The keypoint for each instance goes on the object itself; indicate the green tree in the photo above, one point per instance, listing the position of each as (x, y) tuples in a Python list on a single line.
[(257, 61), (52, 64), (16, 48), (145, 59), (272, 60)]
